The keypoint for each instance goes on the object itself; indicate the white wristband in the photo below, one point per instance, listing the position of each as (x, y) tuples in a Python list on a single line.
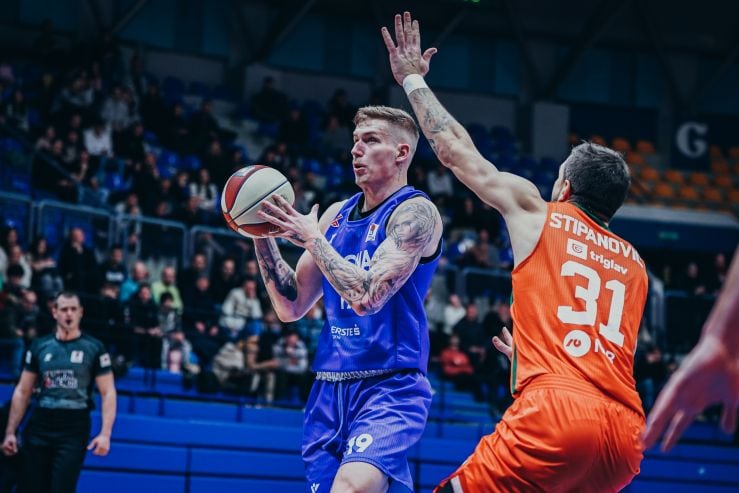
[(413, 82)]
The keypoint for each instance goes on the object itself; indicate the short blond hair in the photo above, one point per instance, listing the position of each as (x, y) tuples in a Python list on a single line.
[(393, 116)]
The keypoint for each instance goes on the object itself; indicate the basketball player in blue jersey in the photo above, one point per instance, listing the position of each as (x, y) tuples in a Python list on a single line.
[(372, 258)]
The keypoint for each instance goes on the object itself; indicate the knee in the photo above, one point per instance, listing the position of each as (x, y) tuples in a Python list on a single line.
[(345, 483)]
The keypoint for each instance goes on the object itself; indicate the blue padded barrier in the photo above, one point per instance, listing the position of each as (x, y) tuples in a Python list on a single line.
[(237, 463), (118, 482), (222, 485), (136, 457)]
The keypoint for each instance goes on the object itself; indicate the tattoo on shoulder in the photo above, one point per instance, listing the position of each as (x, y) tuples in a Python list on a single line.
[(412, 226), (275, 269)]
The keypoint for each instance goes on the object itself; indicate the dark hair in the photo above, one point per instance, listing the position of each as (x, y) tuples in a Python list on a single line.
[(15, 270), (599, 178), (66, 294), (166, 297)]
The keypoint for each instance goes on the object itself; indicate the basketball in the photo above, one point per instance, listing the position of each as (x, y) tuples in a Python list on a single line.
[(244, 191)]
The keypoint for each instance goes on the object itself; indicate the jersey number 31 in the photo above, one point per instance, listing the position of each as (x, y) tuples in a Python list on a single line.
[(589, 295)]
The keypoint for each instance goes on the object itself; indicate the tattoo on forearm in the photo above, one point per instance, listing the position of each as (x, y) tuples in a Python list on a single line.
[(432, 116), (275, 269), (408, 233)]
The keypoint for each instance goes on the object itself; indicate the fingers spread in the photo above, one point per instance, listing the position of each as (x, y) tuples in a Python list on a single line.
[(399, 34), (408, 29), (429, 53), (389, 44), (728, 417), (678, 425)]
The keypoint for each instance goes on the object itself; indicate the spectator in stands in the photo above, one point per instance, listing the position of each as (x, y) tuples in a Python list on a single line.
[(11, 335), (716, 278), (216, 162), (198, 268), (46, 279), (104, 320), (201, 322), (203, 126), (44, 142), (482, 254), (168, 284), (16, 257), (8, 240), (98, 139), (176, 135), (242, 311), (145, 182), (340, 107), (269, 105), (454, 311), (472, 335), (439, 182), (14, 112), (77, 263), (498, 316), (77, 97), (129, 144), (116, 110), (690, 281), (206, 191), (456, 366), (141, 317), (292, 365), (112, 271), (309, 327), (224, 280), (650, 373), (154, 111), (72, 149), (176, 349), (261, 359), (139, 276), (466, 217), (230, 367), (336, 139), (294, 132)]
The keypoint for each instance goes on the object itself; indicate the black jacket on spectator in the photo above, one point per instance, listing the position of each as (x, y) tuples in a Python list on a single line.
[(78, 269)]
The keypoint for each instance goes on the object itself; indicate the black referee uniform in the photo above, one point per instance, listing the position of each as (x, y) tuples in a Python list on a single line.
[(56, 436)]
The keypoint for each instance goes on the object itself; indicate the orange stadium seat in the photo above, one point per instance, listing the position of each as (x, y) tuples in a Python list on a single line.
[(621, 145), (719, 167), (723, 181), (664, 191), (736, 168), (734, 153), (574, 139), (715, 152), (713, 195), (689, 193), (734, 197), (699, 179), (647, 173), (674, 176), (645, 146), (635, 159)]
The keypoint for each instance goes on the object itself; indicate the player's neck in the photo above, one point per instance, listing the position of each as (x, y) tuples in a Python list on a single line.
[(67, 335), (374, 196)]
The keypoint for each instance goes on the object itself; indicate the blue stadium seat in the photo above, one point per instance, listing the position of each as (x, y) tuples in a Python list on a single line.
[(256, 463), (137, 457), (199, 89), (235, 485)]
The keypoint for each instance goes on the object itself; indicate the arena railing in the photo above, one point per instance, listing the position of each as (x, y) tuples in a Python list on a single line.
[(54, 220), (149, 238), (17, 210)]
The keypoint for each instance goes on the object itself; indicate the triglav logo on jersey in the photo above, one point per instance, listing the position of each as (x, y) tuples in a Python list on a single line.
[(372, 232), (577, 249)]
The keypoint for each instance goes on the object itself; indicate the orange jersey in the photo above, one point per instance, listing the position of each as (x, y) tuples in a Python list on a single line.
[(577, 306)]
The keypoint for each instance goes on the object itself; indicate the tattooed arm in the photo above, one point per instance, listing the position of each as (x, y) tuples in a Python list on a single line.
[(292, 292), (413, 232), (451, 143)]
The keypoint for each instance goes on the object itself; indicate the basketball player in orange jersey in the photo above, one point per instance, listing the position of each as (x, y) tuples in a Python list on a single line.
[(578, 295)]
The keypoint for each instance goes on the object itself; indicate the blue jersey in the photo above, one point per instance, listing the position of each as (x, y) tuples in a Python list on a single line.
[(397, 336)]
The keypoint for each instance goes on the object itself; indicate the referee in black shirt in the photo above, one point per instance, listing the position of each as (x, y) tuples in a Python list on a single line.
[(65, 364)]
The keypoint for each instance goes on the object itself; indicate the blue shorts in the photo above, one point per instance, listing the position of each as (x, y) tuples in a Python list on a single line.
[(374, 420)]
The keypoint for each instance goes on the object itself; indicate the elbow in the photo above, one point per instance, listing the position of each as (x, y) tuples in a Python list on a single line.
[(287, 315)]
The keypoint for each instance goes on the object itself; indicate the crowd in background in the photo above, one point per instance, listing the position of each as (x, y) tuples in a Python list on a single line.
[(104, 127)]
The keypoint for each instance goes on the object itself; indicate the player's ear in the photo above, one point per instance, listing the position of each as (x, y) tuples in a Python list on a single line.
[(566, 192), (403, 151)]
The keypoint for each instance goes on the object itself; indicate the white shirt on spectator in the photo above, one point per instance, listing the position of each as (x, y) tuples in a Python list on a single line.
[(439, 183), (237, 308), (99, 145)]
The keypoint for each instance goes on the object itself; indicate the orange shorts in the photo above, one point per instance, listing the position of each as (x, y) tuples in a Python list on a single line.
[(559, 435)]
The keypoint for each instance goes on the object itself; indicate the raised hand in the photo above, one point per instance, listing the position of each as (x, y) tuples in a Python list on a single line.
[(406, 57), (709, 375)]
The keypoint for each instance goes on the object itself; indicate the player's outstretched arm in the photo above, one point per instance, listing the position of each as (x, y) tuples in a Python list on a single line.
[(292, 292), (450, 141), (414, 228), (708, 375)]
